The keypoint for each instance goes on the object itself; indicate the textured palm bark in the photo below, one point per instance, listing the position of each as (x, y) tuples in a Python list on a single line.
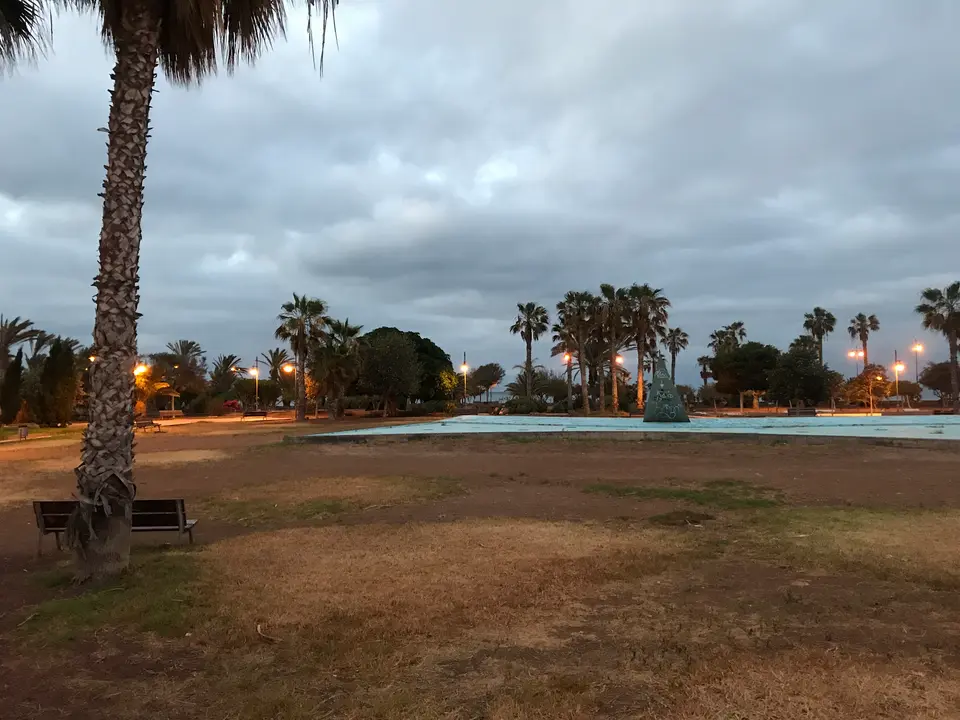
[(866, 355), (584, 390), (640, 387), (528, 368), (954, 371), (614, 385), (301, 387), (99, 531), (569, 387)]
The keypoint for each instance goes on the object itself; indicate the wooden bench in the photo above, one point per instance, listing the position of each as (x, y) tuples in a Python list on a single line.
[(168, 515), (169, 414), (146, 424), (253, 413), (802, 412)]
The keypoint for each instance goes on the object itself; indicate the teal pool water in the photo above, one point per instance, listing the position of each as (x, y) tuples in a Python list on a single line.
[(932, 427)]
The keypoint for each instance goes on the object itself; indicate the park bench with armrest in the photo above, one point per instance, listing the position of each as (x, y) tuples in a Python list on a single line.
[(164, 515), (253, 413), (146, 424)]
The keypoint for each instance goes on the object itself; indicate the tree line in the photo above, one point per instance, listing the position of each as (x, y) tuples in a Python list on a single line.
[(593, 331)]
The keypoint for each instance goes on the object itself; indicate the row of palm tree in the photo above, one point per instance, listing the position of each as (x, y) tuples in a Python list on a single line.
[(593, 330)]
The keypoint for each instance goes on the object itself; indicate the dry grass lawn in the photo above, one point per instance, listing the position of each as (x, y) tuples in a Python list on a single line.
[(330, 597)]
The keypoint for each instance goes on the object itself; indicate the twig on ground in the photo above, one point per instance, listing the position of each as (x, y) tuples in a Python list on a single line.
[(264, 635), (28, 619)]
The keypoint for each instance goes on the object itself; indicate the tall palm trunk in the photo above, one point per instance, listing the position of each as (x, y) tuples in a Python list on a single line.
[(954, 371), (569, 387), (528, 368), (673, 367), (820, 349), (866, 355), (301, 386), (601, 384), (614, 389), (584, 390), (640, 387), (99, 531)]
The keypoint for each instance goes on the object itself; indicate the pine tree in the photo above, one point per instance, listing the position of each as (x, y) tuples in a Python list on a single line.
[(58, 386)]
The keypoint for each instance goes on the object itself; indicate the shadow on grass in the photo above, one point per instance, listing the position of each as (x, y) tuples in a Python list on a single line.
[(725, 494), (159, 594)]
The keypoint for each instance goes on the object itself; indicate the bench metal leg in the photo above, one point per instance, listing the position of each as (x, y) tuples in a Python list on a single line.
[(59, 546), (190, 533), (40, 544)]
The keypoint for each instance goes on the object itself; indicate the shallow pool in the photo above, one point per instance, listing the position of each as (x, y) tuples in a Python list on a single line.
[(933, 427)]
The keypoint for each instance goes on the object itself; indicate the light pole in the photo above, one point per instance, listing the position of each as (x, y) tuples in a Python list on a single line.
[(255, 371), (568, 361), (898, 367), (288, 368), (917, 349), (464, 369), (855, 355)]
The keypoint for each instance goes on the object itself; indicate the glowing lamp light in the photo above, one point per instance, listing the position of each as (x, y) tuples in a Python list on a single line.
[(140, 369), (619, 359), (254, 371), (567, 358), (288, 368), (92, 358), (899, 368), (464, 368)]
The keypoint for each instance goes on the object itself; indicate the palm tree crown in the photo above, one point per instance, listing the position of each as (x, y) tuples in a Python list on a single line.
[(573, 315), (940, 310), (22, 30), (13, 332), (649, 312), (676, 340), (860, 328), (303, 320), (531, 323), (819, 324)]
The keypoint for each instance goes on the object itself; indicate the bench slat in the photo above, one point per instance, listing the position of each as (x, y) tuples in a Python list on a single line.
[(160, 515)]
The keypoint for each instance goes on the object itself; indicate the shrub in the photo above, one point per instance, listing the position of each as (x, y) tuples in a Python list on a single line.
[(523, 406)]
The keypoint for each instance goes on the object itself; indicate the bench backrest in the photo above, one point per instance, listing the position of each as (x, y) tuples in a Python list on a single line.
[(52, 515)]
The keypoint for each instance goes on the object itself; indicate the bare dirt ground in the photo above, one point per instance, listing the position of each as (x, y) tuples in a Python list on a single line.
[(474, 578)]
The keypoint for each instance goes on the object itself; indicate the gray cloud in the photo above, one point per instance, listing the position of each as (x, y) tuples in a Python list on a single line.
[(754, 158)]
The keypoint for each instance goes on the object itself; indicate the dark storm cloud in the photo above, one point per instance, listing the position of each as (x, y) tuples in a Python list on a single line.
[(753, 158)]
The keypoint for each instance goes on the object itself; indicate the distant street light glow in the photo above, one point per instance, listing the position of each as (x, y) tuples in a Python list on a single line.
[(289, 368), (140, 369)]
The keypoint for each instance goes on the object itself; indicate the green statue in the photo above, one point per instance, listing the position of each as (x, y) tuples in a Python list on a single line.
[(663, 401)]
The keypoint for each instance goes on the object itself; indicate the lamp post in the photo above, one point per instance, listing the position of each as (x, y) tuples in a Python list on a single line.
[(289, 368), (917, 349), (255, 371), (568, 361), (855, 355), (898, 367), (464, 369), (870, 379)]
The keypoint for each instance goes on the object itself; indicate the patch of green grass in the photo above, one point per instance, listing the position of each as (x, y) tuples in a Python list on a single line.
[(723, 494), (158, 595)]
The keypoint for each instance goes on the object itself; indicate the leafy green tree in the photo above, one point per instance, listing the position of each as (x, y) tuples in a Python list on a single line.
[(249, 389), (939, 378), (648, 315), (909, 391), (10, 390), (819, 324), (336, 362), (448, 382), (185, 39), (58, 386), (675, 341), (302, 321), (861, 325), (805, 343), (13, 331), (873, 381), (531, 323), (745, 370), (940, 310), (799, 377), (389, 368), (433, 362), (226, 369)]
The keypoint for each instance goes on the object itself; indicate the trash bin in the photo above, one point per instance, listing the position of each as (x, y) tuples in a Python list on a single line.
[(24, 431)]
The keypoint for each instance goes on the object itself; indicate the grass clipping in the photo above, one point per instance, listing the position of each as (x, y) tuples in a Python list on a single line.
[(426, 579)]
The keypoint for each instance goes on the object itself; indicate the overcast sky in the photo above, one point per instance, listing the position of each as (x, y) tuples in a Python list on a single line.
[(754, 158)]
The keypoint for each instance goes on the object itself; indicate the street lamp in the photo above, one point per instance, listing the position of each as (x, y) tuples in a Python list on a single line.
[(898, 367), (464, 369), (568, 361), (255, 371), (855, 355), (917, 349), (140, 369)]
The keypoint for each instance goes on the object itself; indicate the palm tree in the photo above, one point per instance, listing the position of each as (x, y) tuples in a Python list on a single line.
[(186, 352), (184, 39), (727, 338), (22, 31), (649, 311), (565, 344), (531, 323), (819, 324), (13, 332), (704, 361), (337, 361), (676, 340), (860, 328), (303, 320), (225, 371), (941, 312), (615, 314), (276, 359), (573, 313)]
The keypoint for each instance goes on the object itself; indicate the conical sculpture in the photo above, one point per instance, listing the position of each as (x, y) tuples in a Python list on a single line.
[(663, 402)]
